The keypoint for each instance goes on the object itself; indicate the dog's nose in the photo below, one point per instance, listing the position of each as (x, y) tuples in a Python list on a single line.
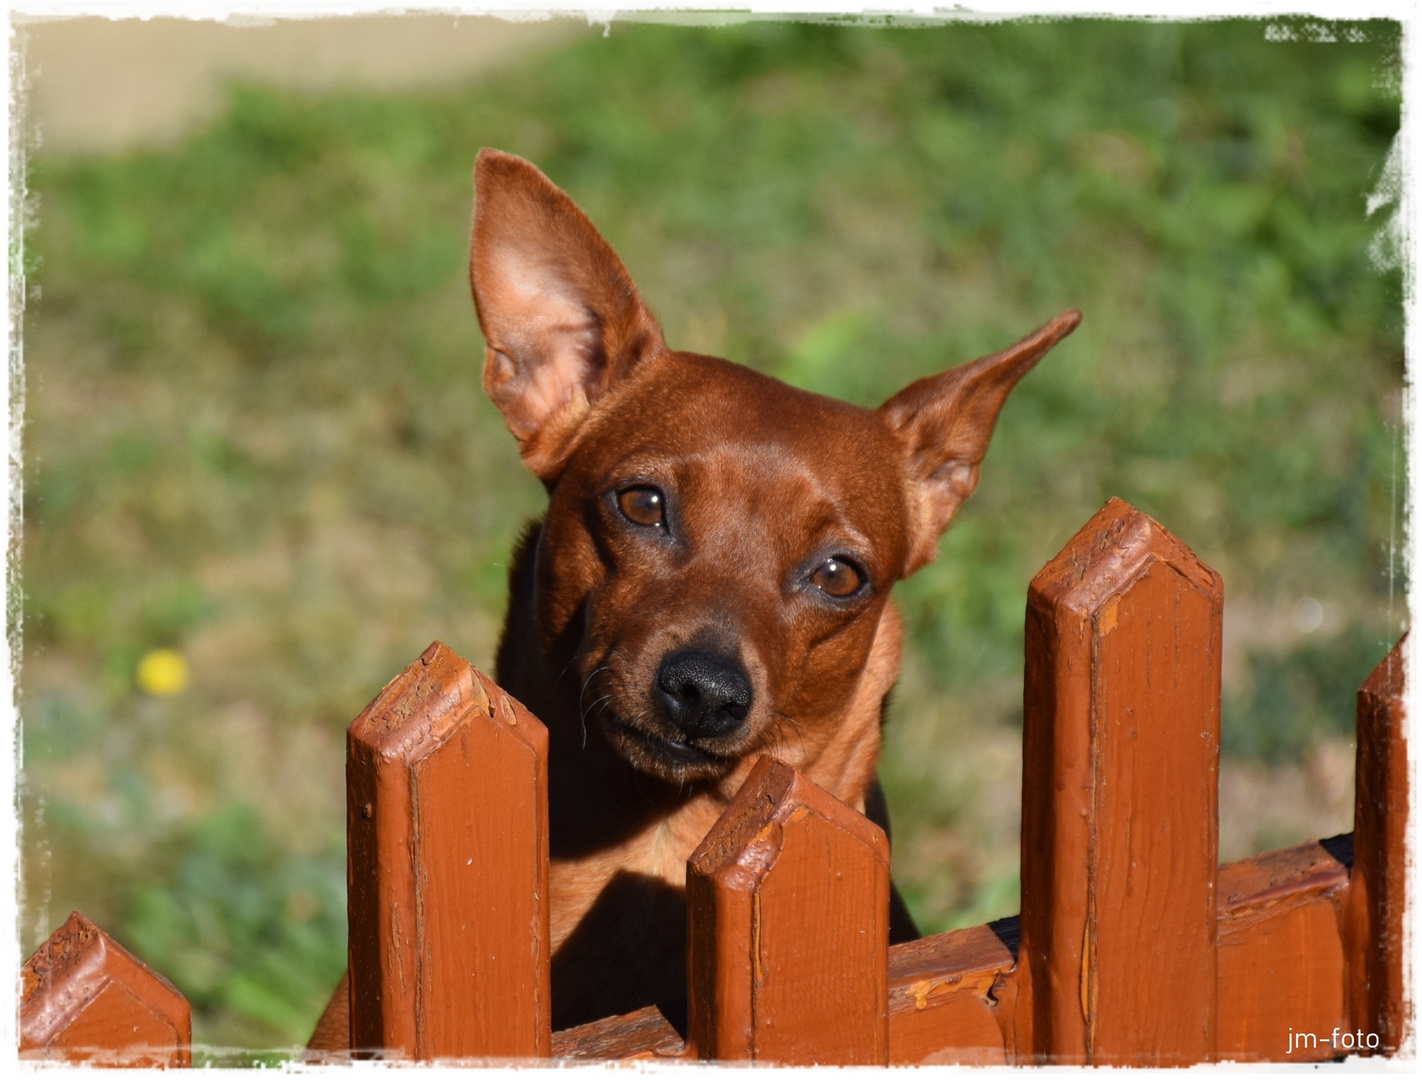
[(704, 695)]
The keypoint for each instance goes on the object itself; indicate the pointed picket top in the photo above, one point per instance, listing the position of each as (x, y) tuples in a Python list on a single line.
[(84, 997), (788, 898), (1108, 554), (447, 841)]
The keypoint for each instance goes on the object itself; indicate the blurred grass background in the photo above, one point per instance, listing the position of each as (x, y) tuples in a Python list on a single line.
[(254, 433)]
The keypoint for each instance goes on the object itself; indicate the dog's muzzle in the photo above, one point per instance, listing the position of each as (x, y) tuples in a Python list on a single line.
[(703, 695)]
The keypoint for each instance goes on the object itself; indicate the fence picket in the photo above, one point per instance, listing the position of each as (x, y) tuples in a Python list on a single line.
[(1118, 855), (84, 997), (1379, 884), (788, 924), (447, 812)]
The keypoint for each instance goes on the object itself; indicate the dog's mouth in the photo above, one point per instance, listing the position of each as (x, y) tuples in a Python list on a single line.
[(663, 757)]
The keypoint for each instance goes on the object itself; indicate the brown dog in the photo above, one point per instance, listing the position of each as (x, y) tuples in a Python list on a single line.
[(710, 583)]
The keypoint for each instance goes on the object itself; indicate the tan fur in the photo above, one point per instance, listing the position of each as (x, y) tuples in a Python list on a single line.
[(666, 655)]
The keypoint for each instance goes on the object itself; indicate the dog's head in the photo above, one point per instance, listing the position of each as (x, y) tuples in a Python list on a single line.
[(714, 569)]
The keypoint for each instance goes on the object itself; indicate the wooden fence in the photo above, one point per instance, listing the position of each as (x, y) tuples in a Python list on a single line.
[(1133, 945)]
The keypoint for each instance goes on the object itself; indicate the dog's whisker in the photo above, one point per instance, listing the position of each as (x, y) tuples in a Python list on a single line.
[(591, 676), (571, 661), (582, 712), (799, 730), (595, 703)]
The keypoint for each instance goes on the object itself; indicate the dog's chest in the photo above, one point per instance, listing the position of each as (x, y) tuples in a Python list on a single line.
[(650, 863)]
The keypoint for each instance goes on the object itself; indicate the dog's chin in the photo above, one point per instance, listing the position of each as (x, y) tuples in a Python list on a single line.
[(662, 757)]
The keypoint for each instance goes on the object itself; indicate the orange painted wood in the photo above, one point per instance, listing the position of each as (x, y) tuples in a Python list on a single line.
[(1377, 958), (788, 900), (945, 994), (1119, 816), (1281, 969), (644, 1035), (942, 1007), (84, 997), (447, 819)]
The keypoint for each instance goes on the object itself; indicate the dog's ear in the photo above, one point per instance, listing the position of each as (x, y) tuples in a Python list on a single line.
[(945, 422), (561, 317)]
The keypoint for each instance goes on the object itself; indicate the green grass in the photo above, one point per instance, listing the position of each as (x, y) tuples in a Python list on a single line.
[(255, 434)]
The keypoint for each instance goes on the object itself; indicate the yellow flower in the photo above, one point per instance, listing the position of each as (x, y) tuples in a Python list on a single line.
[(162, 672)]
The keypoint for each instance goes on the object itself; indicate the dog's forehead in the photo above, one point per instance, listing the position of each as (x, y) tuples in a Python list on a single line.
[(699, 408)]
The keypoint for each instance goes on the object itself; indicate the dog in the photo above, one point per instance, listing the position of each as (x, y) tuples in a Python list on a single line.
[(710, 583)]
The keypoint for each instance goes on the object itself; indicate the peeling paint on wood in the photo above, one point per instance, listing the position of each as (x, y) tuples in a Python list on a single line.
[(85, 998)]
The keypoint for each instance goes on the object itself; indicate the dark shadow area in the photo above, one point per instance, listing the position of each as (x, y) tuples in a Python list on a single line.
[(1340, 847), (1008, 931), (629, 951), (674, 1012)]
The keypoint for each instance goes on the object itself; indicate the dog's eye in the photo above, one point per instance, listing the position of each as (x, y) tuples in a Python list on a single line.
[(642, 505), (838, 577)]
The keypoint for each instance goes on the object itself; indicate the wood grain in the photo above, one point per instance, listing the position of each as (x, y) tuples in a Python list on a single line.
[(447, 818), (1377, 957), (788, 901), (1119, 816), (85, 998), (1280, 953), (644, 1035), (945, 996)]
